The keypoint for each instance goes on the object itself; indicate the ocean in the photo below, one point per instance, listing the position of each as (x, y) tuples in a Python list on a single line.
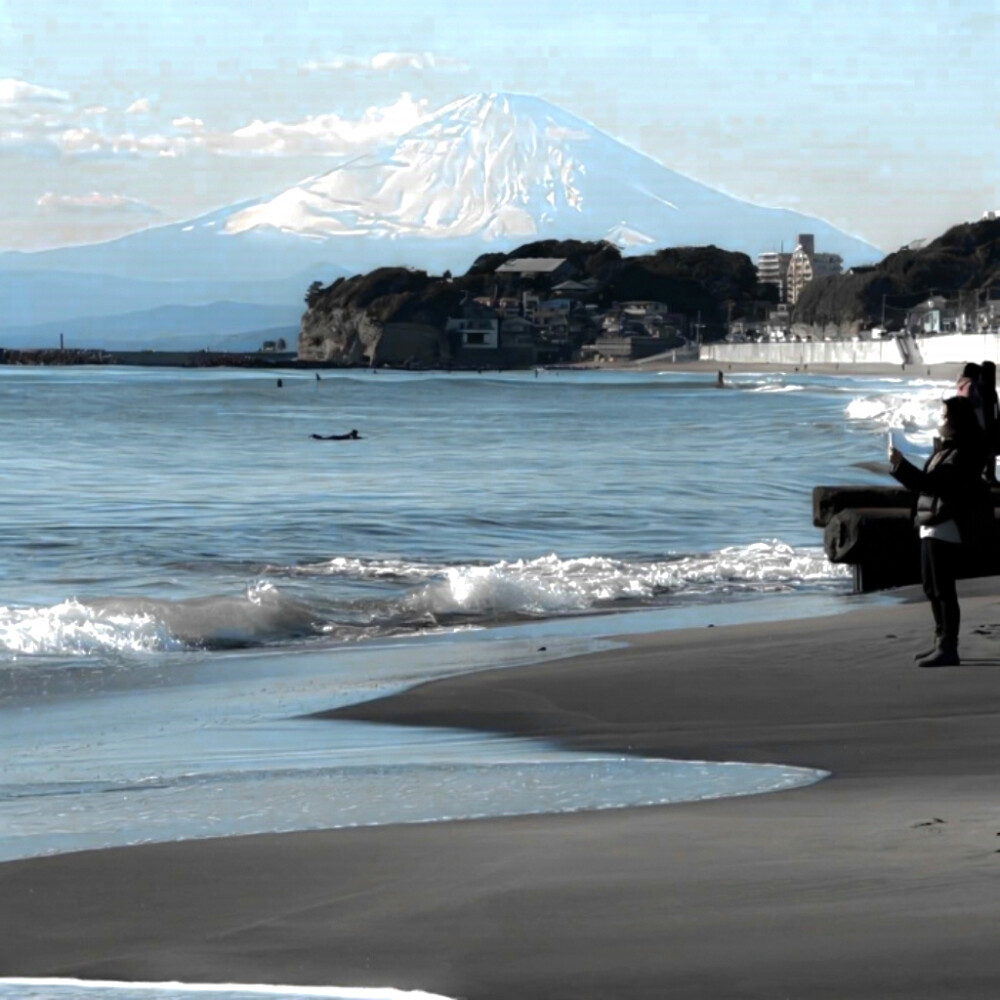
[(186, 574)]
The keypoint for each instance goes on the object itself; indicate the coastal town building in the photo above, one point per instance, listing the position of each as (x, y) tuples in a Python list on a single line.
[(791, 272), (476, 328), (579, 290), (805, 265), (937, 315), (772, 269), (553, 269)]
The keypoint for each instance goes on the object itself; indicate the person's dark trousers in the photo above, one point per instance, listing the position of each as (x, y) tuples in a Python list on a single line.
[(939, 566)]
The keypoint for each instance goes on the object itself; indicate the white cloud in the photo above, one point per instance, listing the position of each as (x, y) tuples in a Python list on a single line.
[(94, 109), (95, 202), (88, 142), (14, 93), (139, 107), (75, 141), (320, 135), (386, 62), (192, 124), (324, 134)]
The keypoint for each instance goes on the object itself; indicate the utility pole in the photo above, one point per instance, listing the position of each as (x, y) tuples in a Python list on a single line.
[(697, 329)]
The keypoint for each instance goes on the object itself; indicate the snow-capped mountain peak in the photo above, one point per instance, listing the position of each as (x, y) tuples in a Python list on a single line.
[(486, 173), (493, 165), (496, 169)]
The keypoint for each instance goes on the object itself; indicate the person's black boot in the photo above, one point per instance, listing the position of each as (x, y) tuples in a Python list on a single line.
[(931, 650), (945, 656)]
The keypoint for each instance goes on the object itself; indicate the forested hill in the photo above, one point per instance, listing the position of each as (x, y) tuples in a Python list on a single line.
[(717, 283), (965, 260)]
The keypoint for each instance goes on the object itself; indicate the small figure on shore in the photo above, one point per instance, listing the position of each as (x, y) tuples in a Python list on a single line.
[(318, 379), (280, 383), (351, 436), (720, 382), (953, 505)]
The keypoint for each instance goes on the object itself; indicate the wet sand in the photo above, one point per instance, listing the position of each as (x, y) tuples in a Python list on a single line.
[(880, 881)]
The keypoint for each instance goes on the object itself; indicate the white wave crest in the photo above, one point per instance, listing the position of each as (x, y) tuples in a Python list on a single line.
[(915, 414), (146, 624), (548, 585), (368, 569), (74, 629), (551, 584)]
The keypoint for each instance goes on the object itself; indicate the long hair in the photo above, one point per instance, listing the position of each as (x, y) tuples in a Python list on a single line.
[(966, 431)]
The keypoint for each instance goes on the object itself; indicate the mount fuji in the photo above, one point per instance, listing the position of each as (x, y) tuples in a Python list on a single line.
[(486, 173), (500, 169)]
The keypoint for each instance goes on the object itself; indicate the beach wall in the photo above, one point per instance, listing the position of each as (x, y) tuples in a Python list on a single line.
[(958, 347), (809, 352), (936, 350)]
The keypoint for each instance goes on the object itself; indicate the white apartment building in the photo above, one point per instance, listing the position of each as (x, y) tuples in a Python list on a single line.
[(806, 264), (772, 269), (791, 272)]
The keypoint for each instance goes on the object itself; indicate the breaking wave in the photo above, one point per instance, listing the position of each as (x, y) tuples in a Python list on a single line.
[(319, 600), (914, 414)]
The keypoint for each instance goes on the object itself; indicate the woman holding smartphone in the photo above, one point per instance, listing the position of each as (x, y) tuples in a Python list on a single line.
[(952, 500)]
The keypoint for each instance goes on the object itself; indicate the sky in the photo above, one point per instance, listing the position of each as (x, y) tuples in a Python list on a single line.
[(880, 117)]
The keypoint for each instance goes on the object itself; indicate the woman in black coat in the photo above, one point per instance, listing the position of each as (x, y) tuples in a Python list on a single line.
[(952, 498)]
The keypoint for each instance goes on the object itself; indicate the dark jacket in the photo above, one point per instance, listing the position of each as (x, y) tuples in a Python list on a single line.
[(950, 487)]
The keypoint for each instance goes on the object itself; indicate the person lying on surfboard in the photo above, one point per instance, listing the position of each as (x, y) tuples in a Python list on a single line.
[(352, 436)]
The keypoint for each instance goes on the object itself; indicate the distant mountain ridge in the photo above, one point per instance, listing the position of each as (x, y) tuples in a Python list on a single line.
[(484, 174), (502, 168), (234, 325)]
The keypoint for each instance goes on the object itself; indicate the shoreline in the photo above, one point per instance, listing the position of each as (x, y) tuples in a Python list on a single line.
[(947, 372), (94, 357), (877, 881)]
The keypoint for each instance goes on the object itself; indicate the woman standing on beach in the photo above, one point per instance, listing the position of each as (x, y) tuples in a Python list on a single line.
[(952, 498)]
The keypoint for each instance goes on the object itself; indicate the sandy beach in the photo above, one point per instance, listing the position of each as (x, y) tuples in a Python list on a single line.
[(881, 881)]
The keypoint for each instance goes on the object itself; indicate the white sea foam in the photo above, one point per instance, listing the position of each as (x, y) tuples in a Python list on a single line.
[(147, 625), (779, 388), (73, 629), (426, 592), (82, 989), (914, 414), (550, 584), (366, 569)]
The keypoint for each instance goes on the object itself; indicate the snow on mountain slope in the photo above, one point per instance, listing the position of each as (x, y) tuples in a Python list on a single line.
[(487, 173), (493, 166), (506, 168)]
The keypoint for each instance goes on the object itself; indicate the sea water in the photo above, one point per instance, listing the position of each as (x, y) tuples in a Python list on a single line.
[(186, 575)]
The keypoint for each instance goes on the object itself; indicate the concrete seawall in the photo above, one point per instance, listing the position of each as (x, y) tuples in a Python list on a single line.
[(945, 349), (796, 354)]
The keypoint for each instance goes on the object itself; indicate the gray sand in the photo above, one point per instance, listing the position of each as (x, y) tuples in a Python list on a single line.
[(881, 881)]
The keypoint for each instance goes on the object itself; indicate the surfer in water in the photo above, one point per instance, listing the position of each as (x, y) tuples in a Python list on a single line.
[(351, 436)]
